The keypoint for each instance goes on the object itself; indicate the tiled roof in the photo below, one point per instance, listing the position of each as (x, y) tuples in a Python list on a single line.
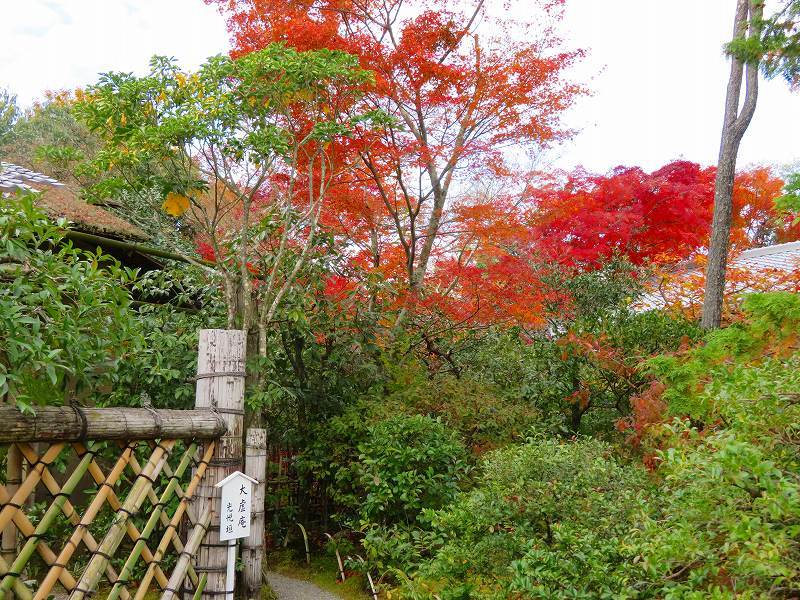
[(774, 263), (14, 178), (58, 201), (785, 257)]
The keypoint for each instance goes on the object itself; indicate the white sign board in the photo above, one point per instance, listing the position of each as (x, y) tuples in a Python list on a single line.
[(236, 506)]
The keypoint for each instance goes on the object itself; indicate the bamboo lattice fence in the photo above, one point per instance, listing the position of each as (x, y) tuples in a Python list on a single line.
[(111, 519)]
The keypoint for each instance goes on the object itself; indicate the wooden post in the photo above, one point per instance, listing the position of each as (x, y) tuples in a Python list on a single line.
[(13, 479), (220, 387), (253, 546)]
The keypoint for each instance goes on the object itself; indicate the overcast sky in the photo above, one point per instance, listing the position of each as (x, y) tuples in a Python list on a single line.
[(655, 66)]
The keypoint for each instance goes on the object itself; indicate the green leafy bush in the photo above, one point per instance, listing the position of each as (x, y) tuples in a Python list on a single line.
[(479, 411), (547, 519), (71, 329), (728, 521), (64, 313), (161, 368), (404, 467)]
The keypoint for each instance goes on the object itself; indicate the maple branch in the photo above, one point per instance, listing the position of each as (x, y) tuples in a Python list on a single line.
[(463, 33)]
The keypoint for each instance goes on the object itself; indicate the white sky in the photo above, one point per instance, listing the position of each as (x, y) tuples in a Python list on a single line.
[(655, 66)]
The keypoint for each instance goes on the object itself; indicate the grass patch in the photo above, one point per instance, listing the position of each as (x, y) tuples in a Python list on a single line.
[(322, 572)]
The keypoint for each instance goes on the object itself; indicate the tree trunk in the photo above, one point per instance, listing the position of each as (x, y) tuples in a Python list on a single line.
[(734, 126)]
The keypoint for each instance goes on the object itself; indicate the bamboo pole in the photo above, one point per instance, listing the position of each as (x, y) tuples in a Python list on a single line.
[(34, 475), (81, 530), (149, 557), (13, 479), (201, 585), (26, 529), (192, 544), (49, 516), (76, 423), (113, 501), (100, 557), (67, 509), (102, 241), (172, 528), (20, 589), (220, 386), (127, 568), (253, 546)]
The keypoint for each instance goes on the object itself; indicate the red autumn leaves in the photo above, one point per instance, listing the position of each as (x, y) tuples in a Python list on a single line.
[(410, 202)]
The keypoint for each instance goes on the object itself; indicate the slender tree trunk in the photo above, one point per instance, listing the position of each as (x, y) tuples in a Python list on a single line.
[(734, 126)]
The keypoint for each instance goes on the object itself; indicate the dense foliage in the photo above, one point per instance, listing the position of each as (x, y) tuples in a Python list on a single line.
[(77, 326), (716, 518)]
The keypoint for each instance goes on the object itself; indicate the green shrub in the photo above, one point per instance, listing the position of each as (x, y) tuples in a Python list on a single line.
[(64, 313), (480, 412), (547, 519), (406, 465), (728, 524), (728, 521)]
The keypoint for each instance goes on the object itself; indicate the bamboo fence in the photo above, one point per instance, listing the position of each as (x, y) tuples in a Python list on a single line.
[(130, 497), (126, 492)]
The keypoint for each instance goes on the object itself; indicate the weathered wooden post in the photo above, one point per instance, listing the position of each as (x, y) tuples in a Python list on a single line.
[(253, 546), (220, 387)]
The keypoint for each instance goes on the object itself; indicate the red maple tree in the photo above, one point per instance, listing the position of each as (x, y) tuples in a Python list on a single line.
[(463, 83), (659, 217)]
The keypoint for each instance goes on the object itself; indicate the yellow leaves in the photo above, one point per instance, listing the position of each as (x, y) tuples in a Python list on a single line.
[(181, 79), (175, 204), (304, 95), (123, 120)]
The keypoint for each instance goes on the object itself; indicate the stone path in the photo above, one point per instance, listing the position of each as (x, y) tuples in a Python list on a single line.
[(286, 588)]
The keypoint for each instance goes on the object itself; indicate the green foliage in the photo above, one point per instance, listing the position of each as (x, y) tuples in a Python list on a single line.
[(401, 468), (9, 113), (547, 519), (771, 322), (49, 138), (71, 329), (64, 312), (599, 356), (406, 465), (780, 44), (237, 107), (482, 414), (789, 203), (727, 521), (773, 42), (161, 368)]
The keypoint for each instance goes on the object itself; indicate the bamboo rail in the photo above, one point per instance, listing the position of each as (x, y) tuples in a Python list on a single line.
[(81, 532), (27, 529), (192, 545), (76, 423), (127, 568), (101, 556), (24, 555), (172, 528)]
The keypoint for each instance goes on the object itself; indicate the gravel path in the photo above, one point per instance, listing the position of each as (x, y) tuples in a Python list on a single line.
[(287, 588)]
